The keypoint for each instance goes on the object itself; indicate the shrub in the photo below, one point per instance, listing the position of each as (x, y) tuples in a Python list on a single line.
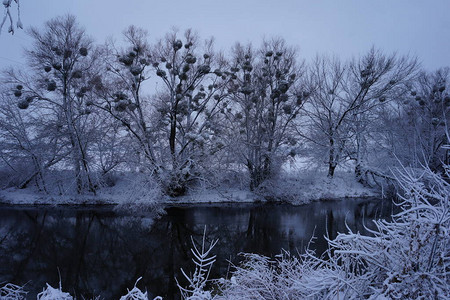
[(407, 257)]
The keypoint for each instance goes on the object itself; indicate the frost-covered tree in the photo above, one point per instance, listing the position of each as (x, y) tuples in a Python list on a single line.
[(345, 95), (411, 129), (60, 80), (388, 81), (7, 16), (266, 95), (27, 150), (428, 111), (120, 92), (188, 103)]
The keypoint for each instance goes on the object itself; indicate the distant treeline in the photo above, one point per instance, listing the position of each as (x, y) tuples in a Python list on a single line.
[(184, 112)]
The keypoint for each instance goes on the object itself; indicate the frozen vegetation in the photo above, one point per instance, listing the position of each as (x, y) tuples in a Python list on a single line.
[(8, 16), (405, 258)]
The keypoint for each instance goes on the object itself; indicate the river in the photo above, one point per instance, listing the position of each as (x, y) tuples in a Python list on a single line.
[(101, 251)]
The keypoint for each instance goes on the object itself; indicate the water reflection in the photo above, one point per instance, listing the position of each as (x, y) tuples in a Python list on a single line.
[(103, 252)]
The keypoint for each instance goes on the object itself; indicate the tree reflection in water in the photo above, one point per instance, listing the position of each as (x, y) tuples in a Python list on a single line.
[(103, 252)]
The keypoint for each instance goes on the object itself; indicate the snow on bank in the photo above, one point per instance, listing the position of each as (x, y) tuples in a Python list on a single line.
[(300, 189), (310, 186), (300, 182), (296, 187), (134, 189)]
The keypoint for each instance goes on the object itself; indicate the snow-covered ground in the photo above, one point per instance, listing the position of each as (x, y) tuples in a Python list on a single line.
[(309, 186), (296, 188), (298, 184)]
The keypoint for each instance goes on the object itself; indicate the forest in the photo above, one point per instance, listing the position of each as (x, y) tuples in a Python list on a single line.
[(185, 114)]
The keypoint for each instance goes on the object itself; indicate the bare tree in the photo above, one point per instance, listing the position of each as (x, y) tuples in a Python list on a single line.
[(61, 63), (266, 95), (121, 96), (417, 122), (343, 96), (189, 102), (27, 150)]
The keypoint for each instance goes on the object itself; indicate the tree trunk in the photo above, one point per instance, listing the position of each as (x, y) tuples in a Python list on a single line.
[(257, 176), (331, 161), (173, 132), (331, 168), (359, 173)]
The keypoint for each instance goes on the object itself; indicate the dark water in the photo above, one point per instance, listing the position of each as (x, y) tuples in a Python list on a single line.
[(103, 252)]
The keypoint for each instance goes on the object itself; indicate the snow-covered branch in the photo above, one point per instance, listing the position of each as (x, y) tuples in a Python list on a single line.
[(7, 16)]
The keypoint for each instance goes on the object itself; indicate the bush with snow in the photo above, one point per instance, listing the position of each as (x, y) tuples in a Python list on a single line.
[(407, 257), (50, 293), (137, 294), (136, 193), (12, 292)]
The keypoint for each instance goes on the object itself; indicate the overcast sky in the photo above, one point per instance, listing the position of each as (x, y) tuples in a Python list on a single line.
[(341, 27)]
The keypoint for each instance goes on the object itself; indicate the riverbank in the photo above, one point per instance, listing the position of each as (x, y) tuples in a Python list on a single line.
[(134, 189)]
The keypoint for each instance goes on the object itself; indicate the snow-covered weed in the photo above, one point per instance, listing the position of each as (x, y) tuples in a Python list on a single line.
[(137, 294), (50, 293), (282, 278), (12, 292), (203, 261), (405, 258)]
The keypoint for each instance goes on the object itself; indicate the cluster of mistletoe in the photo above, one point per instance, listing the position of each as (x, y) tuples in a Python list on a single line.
[(265, 87), (126, 70)]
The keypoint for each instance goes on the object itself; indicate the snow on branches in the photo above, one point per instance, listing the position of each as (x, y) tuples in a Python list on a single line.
[(406, 257), (203, 261), (7, 15), (12, 292)]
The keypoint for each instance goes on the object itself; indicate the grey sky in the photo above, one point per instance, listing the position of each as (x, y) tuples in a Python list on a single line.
[(344, 28)]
